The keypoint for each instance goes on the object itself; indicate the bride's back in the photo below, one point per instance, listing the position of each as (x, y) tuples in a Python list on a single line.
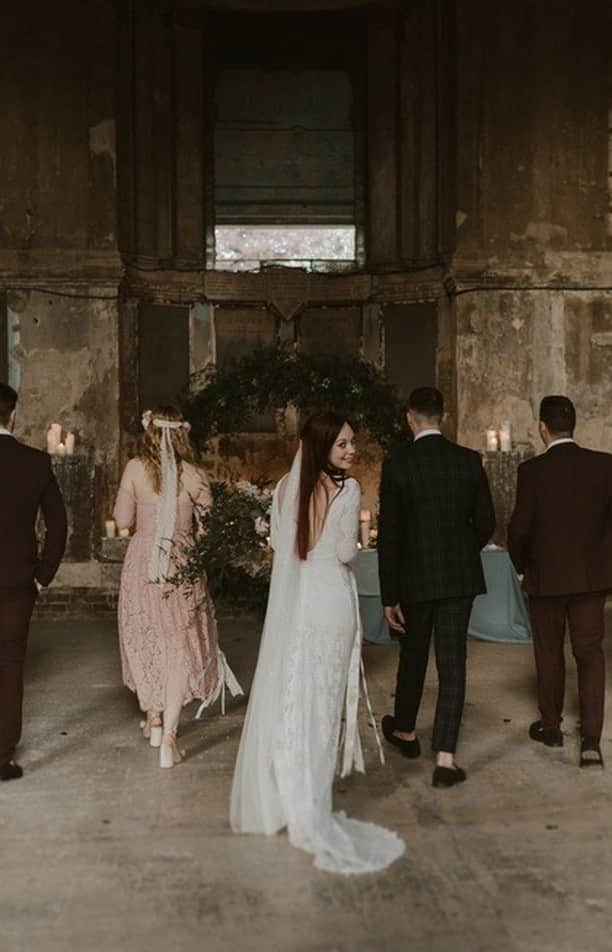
[(333, 522)]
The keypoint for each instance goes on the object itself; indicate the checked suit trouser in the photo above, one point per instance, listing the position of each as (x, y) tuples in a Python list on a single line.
[(448, 620)]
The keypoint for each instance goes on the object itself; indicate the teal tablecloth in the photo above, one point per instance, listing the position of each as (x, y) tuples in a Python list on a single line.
[(500, 615)]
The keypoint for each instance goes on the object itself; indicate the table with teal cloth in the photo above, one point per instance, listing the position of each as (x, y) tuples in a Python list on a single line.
[(500, 615)]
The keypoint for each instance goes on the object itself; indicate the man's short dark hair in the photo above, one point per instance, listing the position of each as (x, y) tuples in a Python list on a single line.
[(8, 402), (427, 402), (559, 415)]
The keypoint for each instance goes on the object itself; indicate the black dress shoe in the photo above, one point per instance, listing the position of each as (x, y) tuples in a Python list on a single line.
[(409, 748), (551, 736), (447, 776), (590, 753), (10, 771)]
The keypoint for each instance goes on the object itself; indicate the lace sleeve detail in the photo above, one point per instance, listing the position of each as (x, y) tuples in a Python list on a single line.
[(124, 512), (348, 524)]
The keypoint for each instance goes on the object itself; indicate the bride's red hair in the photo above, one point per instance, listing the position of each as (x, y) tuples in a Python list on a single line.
[(319, 434)]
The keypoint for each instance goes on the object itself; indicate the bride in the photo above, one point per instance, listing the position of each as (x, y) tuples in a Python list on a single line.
[(307, 672)]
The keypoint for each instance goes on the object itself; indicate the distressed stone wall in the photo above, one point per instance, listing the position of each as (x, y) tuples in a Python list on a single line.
[(489, 204), (533, 267), (59, 264)]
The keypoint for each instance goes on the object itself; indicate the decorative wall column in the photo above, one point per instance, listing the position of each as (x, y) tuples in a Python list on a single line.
[(411, 135)]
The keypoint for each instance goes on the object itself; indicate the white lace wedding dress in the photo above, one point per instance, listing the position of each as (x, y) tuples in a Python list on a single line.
[(307, 675)]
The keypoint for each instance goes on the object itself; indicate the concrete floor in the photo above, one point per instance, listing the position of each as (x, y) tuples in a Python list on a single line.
[(101, 851)]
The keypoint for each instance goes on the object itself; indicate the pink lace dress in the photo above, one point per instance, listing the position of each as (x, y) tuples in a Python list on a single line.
[(168, 637)]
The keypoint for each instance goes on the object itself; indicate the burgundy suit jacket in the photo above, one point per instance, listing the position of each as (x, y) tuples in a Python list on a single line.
[(27, 484), (560, 533)]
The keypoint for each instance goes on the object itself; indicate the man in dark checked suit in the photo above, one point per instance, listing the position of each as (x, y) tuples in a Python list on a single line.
[(27, 484), (560, 537), (436, 514)]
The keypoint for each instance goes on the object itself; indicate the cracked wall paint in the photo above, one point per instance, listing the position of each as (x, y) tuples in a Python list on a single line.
[(515, 347)]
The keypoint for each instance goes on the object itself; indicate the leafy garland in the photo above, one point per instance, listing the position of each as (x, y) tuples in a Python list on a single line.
[(273, 378)]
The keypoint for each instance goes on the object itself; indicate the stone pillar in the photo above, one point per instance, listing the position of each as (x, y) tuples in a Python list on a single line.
[(75, 476)]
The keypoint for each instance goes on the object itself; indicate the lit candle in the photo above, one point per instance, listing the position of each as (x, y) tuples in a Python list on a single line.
[(56, 431), (124, 533), (111, 528), (505, 437), (492, 441), (51, 444), (60, 449), (364, 527), (69, 444)]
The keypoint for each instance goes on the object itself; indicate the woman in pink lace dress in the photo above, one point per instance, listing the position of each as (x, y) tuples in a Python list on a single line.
[(168, 636)]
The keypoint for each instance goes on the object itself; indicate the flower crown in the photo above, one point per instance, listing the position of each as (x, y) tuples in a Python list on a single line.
[(148, 419)]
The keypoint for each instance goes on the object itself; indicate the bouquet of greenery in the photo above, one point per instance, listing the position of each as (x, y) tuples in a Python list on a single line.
[(231, 547)]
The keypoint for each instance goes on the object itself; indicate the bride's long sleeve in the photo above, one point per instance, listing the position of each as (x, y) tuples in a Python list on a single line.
[(348, 524)]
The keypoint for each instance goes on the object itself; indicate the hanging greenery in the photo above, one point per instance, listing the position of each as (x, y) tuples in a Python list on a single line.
[(231, 547), (272, 379)]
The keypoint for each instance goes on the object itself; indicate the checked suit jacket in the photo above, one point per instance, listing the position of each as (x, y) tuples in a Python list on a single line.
[(436, 514)]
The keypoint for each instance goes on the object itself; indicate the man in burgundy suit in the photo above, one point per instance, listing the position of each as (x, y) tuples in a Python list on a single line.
[(27, 484), (560, 537)]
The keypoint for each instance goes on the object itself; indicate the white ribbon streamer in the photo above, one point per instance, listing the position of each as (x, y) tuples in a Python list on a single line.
[(353, 753), (166, 513)]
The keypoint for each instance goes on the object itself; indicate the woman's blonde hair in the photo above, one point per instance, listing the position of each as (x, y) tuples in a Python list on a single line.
[(150, 452)]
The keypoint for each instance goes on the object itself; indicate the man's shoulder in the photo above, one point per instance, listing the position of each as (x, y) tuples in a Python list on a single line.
[(532, 464), (23, 452), (597, 457), (473, 456), (436, 447)]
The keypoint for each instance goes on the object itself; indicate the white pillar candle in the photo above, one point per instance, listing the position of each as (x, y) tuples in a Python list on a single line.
[(60, 449), (51, 444), (492, 441), (56, 431), (505, 437), (111, 528), (69, 444), (365, 517)]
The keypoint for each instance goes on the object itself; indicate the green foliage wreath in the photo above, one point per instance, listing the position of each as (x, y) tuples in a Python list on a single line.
[(272, 379)]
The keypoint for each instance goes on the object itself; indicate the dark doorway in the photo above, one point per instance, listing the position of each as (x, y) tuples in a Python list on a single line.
[(411, 340), (163, 354)]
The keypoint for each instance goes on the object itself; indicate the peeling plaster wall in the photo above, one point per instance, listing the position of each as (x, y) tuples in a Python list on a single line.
[(534, 263), (67, 354), (514, 347), (57, 126), (58, 237)]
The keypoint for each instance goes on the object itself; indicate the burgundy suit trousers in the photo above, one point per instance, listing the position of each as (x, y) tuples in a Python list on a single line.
[(585, 615), (15, 612)]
